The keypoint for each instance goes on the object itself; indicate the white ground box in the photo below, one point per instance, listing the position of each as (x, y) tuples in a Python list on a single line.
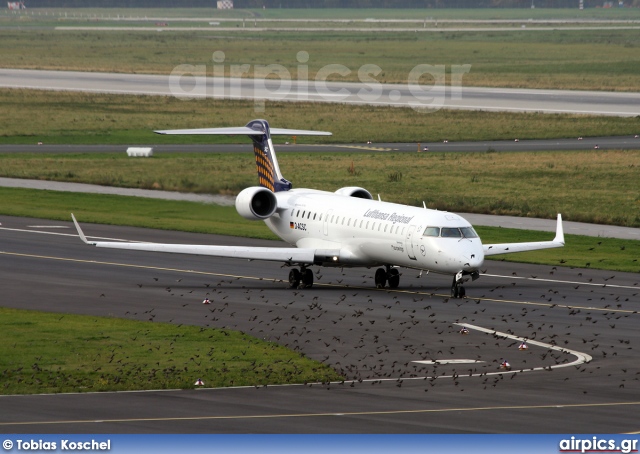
[(139, 152)]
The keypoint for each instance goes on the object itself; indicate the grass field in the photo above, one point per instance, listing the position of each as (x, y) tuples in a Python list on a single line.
[(85, 118), (589, 59), (55, 353), (594, 186)]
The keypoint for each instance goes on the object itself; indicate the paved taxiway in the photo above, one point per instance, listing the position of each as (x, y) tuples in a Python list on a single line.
[(577, 143), (182, 84), (373, 336)]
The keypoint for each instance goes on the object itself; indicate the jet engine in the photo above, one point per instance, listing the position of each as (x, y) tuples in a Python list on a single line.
[(354, 191), (256, 203)]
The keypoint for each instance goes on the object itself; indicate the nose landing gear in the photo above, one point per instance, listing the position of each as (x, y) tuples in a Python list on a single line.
[(457, 289)]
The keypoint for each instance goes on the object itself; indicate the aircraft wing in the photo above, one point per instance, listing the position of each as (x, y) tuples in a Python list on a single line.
[(243, 130), (285, 255), (507, 248)]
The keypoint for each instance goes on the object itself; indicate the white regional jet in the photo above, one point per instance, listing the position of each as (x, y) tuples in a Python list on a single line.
[(346, 228)]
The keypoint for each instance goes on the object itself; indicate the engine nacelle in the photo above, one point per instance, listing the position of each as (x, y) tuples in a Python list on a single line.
[(354, 191), (256, 203)]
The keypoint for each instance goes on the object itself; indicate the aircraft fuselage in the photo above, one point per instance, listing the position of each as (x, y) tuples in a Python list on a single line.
[(373, 233)]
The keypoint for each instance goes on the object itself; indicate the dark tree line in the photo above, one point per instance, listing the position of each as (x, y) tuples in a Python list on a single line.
[(318, 3)]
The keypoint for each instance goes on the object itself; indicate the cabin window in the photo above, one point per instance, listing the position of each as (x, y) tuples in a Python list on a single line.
[(397, 228), (402, 231), (379, 226), (432, 231), (361, 221), (314, 216), (367, 226), (309, 215), (298, 214), (373, 226), (293, 211), (303, 214), (331, 218), (320, 217), (343, 219)]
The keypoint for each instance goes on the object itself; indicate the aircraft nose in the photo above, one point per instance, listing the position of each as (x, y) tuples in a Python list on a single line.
[(475, 258)]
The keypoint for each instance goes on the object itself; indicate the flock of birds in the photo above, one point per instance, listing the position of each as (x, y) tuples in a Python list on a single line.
[(373, 337)]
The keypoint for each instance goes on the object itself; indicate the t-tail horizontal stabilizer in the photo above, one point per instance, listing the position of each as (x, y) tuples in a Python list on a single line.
[(507, 248), (243, 130), (260, 132)]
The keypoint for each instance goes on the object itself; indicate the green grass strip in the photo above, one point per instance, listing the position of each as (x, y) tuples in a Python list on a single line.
[(133, 211), (56, 353)]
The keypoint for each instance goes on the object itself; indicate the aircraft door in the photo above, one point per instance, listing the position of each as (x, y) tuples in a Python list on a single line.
[(409, 242), (326, 222)]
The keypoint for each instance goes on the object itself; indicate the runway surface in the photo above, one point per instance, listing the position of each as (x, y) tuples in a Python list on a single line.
[(183, 84), (588, 384)]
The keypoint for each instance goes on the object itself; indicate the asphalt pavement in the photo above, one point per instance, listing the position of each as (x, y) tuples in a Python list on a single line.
[(374, 337)]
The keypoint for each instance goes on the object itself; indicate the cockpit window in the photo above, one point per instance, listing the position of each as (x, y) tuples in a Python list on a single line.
[(468, 232), (432, 231), (451, 232)]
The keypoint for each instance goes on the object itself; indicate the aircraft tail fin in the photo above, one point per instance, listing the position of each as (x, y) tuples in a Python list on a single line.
[(269, 174)]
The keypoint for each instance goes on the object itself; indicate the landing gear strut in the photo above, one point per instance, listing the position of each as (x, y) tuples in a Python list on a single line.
[(392, 275), (380, 278), (301, 279), (457, 289)]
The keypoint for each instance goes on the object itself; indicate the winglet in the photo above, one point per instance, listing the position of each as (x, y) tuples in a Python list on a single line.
[(80, 233), (559, 231)]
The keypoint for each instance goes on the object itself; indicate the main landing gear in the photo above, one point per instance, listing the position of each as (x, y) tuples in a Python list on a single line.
[(389, 274), (457, 289), (302, 278)]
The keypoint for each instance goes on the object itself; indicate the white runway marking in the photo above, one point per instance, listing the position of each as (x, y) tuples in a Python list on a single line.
[(557, 281), (48, 226), (581, 357)]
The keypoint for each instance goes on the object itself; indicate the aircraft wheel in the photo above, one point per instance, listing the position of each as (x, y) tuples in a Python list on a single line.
[(307, 278), (294, 278), (394, 278), (380, 278), (461, 292)]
